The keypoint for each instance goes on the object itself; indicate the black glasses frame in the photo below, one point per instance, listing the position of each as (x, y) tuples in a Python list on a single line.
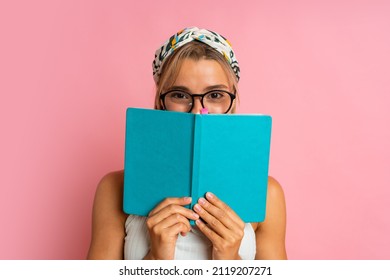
[(232, 97)]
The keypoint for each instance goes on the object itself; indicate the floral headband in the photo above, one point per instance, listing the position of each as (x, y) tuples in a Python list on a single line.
[(214, 40)]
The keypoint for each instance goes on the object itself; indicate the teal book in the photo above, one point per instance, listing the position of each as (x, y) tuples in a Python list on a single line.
[(173, 154)]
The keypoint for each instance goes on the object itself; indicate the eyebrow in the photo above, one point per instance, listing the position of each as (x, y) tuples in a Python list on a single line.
[(183, 88)]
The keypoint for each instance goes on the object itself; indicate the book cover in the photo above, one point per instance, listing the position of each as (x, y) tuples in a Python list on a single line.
[(172, 154)]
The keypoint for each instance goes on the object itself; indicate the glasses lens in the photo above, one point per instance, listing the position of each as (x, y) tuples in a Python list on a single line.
[(178, 101), (217, 102)]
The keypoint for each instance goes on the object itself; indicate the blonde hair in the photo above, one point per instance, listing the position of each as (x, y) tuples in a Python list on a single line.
[(194, 50)]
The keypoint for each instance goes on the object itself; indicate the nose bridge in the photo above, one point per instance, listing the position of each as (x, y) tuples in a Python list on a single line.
[(197, 104)]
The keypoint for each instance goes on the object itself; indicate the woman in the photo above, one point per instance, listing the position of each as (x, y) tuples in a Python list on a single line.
[(193, 70)]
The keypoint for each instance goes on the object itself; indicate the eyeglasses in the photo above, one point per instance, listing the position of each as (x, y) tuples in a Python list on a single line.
[(216, 101)]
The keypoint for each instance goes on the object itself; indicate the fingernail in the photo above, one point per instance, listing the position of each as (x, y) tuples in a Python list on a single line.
[(196, 216), (202, 201), (187, 198), (197, 207), (209, 195)]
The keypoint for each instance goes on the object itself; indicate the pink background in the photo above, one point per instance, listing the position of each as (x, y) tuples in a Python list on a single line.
[(69, 69)]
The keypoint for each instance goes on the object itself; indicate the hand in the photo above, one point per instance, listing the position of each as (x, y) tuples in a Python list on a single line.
[(223, 227), (164, 223)]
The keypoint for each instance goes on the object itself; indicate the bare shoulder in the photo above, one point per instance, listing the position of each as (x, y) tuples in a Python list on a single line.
[(112, 181), (275, 193), (109, 194), (108, 218), (275, 202), (271, 233)]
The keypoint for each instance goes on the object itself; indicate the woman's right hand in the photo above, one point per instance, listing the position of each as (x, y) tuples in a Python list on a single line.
[(165, 223)]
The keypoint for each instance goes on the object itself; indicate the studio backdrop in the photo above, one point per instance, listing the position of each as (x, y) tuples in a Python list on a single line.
[(69, 70)]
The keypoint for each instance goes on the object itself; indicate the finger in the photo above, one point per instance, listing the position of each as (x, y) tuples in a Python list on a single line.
[(170, 210), (176, 229), (169, 201), (212, 222), (215, 216), (224, 210), (209, 233), (168, 225)]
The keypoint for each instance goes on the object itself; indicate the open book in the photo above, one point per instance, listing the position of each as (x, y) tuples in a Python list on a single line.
[(172, 154)]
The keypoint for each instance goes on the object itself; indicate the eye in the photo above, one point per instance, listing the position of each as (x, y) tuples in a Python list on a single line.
[(216, 95), (178, 95)]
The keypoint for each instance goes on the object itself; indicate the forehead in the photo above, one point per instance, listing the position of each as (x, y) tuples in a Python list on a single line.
[(197, 75)]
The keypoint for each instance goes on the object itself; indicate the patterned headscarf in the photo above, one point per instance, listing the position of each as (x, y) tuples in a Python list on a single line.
[(214, 40)]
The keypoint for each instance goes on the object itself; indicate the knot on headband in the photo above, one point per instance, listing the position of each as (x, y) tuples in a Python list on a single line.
[(213, 39)]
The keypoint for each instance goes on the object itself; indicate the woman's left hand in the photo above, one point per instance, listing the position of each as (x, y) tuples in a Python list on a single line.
[(223, 227)]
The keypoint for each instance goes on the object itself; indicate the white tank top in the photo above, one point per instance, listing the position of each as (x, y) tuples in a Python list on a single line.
[(194, 246)]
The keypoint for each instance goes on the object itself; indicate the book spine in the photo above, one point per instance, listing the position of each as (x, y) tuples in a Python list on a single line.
[(196, 159)]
